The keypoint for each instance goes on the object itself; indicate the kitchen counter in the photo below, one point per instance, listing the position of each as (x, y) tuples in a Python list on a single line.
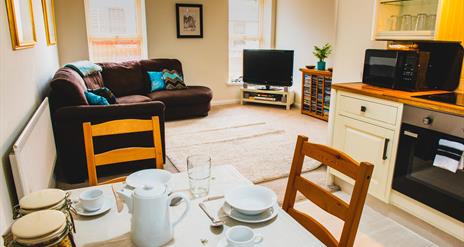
[(401, 96)]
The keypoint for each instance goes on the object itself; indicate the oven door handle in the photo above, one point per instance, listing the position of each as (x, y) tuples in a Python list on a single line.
[(385, 149)]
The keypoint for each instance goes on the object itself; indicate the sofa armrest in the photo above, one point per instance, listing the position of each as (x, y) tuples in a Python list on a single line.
[(98, 113)]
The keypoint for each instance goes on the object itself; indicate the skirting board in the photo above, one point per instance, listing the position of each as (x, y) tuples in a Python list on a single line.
[(225, 102)]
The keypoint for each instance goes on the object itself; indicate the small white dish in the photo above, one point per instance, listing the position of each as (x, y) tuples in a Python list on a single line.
[(107, 205), (251, 199), (259, 218), (149, 177)]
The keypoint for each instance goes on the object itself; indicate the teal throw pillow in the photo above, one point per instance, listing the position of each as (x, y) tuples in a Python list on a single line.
[(105, 93), (94, 99), (173, 80), (157, 81)]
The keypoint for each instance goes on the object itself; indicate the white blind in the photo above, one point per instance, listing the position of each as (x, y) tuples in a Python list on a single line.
[(114, 29)]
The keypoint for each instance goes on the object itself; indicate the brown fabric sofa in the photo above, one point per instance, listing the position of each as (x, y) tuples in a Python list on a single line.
[(130, 84)]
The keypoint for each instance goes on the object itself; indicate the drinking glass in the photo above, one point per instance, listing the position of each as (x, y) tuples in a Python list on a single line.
[(199, 173), (406, 22), (421, 23), (393, 23), (431, 22)]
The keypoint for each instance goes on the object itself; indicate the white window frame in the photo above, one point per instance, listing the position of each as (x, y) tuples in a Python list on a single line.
[(266, 37)]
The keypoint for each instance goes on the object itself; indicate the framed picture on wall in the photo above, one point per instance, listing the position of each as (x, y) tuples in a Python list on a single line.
[(21, 22), (49, 19), (189, 20)]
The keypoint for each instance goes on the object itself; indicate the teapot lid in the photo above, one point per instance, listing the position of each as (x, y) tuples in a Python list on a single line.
[(150, 190)]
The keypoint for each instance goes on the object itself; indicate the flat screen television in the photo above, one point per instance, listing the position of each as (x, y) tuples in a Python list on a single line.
[(268, 67)]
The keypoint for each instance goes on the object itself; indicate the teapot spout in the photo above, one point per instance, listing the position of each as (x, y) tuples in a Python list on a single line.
[(126, 195)]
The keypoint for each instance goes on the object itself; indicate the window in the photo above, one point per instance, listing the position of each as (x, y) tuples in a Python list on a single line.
[(115, 30), (251, 26)]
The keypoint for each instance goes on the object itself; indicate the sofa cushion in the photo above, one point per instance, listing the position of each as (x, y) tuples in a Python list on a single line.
[(173, 80), (132, 99), (126, 78), (187, 96), (156, 79)]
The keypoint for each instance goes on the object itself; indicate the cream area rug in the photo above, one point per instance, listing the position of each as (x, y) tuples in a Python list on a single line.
[(259, 152), (375, 229)]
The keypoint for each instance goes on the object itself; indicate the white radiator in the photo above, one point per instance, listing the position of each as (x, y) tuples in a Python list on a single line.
[(34, 154)]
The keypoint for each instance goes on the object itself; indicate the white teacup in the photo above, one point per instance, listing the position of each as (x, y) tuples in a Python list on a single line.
[(92, 200), (242, 236)]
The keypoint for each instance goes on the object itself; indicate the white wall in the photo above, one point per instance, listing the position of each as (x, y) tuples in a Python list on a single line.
[(300, 25), (353, 37), (204, 61), (24, 75)]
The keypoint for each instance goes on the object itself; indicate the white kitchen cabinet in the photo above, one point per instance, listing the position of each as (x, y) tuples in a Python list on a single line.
[(367, 129), (370, 143)]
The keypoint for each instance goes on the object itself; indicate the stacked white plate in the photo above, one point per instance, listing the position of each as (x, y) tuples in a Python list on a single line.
[(251, 204)]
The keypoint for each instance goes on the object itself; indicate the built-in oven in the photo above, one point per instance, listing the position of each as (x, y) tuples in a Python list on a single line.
[(430, 165)]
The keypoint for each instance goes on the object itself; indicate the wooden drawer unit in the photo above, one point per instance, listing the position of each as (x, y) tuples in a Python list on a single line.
[(368, 109)]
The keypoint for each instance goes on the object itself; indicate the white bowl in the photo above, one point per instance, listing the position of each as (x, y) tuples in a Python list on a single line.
[(148, 177), (251, 200)]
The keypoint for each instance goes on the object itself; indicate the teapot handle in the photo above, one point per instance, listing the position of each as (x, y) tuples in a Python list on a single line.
[(187, 204)]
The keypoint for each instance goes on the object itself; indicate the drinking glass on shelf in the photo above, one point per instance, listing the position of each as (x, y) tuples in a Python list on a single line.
[(406, 22), (199, 173), (393, 23), (431, 22), (421, 22)]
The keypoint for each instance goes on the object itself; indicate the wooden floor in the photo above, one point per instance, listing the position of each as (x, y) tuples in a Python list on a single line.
[(317, 131)]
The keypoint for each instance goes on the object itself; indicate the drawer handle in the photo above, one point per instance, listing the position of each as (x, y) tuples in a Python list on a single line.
[(363, 108), (385, 147)]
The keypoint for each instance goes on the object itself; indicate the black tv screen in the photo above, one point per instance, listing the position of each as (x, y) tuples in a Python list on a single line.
[(268, 67)]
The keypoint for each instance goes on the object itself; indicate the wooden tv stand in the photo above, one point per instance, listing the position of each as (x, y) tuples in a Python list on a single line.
[(253, 94)]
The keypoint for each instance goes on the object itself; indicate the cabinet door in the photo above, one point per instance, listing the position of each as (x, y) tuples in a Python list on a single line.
[(370, 143)]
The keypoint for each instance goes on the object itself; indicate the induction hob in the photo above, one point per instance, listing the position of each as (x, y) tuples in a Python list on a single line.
[(448, 98)]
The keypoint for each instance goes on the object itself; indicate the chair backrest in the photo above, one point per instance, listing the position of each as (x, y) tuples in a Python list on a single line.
[(116, 127), (349, 213)]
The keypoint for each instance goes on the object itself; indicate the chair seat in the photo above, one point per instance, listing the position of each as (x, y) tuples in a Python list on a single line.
[(190, 95)]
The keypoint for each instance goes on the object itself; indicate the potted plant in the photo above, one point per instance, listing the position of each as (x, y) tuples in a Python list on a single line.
[(321, 54)]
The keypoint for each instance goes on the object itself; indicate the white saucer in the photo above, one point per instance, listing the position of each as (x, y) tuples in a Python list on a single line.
[(223, 243), (107, 205), (259, 218)]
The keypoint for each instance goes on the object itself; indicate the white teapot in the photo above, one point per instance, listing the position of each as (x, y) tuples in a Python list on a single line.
[(151, 220)]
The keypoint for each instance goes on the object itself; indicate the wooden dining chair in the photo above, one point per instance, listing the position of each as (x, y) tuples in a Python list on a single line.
[(349, 213), (116, 127)]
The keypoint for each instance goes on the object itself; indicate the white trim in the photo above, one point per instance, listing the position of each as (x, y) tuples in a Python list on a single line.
[(225, 102)]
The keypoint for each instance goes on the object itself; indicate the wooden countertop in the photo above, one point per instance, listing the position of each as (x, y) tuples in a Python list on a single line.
[(401, 96)]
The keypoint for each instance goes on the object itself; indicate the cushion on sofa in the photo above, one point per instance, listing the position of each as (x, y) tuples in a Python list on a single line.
[(173, 80), (157, 81), (95, 99), (126, 78), (132, 99), (187, 96)]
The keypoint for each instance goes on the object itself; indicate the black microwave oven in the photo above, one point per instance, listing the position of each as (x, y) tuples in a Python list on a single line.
[(432, 66)]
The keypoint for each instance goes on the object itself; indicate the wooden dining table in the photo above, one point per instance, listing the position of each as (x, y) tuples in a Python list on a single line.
[(113, 227)]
